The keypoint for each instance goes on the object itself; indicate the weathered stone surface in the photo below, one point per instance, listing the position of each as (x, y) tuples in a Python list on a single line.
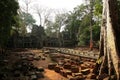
[(43, 58), (30, 58), (45, 55), (85, 71), (75, 69), (63, 72), (83, 66), (68, 72), (46, 51), (67, 66), (36, 58), (57, 69), (92, 60), (51, 65), (91, 76), (67, 60), (33, 77), (77, 78), (77, 74), (39, 75), (80, 62), (72, 78), (41, 69)]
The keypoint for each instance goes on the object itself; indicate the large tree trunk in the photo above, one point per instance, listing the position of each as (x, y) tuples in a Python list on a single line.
[(110, 40)]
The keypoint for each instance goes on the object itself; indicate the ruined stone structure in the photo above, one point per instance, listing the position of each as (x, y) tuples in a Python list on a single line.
[(25, 42)]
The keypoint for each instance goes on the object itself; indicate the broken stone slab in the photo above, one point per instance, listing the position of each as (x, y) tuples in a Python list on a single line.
[(60, 63), (23, 57), (80, 62), (74, 69), (91, 76), (45, 55), (85, 71), (37, 58), (68, 72), (83, 66), (30, 58), (67, 66), (57, 69), (41, 69), (77, 78), (77, 74), (39, 75), (67, 60), (63, 72), (51, 65), (30, 73), (33, 77), (43, 58)]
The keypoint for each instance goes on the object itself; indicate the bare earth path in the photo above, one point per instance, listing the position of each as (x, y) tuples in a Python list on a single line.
[(49, 74)]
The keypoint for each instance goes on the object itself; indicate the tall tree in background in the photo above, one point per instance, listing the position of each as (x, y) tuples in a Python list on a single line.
[(8, 13), (49, 28), (27, 20), (91, 23), (110, 40), (43, 14), (58, 24)]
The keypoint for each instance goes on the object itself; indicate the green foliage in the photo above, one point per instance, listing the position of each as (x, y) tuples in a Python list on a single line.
[(27, 18), (49, 29), (77, 23), (55, 27), (24, 20), (98, 8), (8, 13)]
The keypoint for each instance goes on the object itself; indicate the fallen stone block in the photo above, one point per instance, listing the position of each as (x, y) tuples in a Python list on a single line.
[(85, 71), (91, 76), (63, 73), (67, 66), (39, 75), (41, 69), (43, 58), (83, 66), (77, 78), (33, 77), (36, 58), (77, 74), (52, 65), (57, 69), (30, 58), (75, 69), (68, 72)]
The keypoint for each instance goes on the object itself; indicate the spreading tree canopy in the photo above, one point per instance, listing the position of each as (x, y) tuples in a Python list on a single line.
[(8, 13)]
